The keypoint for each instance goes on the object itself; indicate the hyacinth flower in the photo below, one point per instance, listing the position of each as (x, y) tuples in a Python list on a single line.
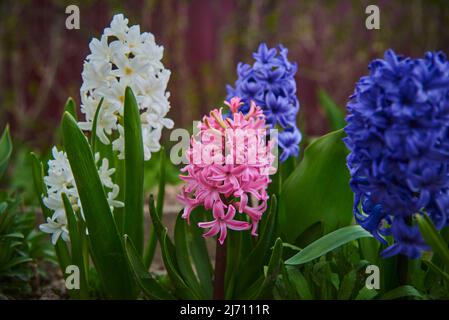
[(397, 133), (270, 83), (59, 180), (90, 210), (125, 57), (222, 177)]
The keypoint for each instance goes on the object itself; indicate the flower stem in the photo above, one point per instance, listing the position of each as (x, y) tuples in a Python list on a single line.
[(220, 270), (402, 269)]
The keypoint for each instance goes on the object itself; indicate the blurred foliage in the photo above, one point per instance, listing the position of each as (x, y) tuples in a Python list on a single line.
[(21, 246)]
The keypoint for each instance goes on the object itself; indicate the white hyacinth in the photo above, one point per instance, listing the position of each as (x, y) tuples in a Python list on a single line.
[(60, 180), (125, 57)]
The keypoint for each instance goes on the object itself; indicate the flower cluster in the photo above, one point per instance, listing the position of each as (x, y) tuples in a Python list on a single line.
[(60, 180), (270, 83), (398, 137), (125, 57), (229, 162)]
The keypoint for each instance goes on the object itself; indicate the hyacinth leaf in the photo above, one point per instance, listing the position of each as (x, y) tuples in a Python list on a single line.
[(328, 243), (93, 137), (144, 279), (334, 114), (151, 247), (402, 292), (370, 249), (168, 251), (62, 252), (106, 245), (433, 238), (70, 107), (182, 289), (274, 269), (76, 249), (161, 186), (318, 190), (366, 294), (183, 257), (5, 150), (253, 264), (347, 285), (435, 269), (299, 282), (134, 164), (199, 253)]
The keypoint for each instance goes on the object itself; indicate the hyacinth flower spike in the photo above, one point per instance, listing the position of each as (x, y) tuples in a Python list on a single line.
[(397, 134), (229, 162), (270, 83)]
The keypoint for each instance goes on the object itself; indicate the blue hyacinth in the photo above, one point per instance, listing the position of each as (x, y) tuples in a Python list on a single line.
[(270, 83), (398, 137)]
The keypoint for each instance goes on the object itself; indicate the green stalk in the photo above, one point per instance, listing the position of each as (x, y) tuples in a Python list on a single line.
[(220, 271)]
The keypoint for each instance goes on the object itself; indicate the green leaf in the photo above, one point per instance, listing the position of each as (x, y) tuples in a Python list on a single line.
[(300, 283), (145, 280), (199, 252), (366, 294), (5, 151), (133, 219), (318, 190), (70, 107), (152, 241), (253, 264), (334, 114), (437, 270), (14, 262), (62, 252), (93, 137), (370, 249), (169, 256), (328, 243), (108, 252), (402, 292), (347, 285), (183, 257), (433, 238), (274, 269), (77, 249)]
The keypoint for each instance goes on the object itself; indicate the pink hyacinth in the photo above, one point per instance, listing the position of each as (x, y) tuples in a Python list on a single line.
[(229, 162)]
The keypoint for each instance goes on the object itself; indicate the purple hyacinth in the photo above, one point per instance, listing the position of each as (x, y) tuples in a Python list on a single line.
[(271, 84), (398, 136)]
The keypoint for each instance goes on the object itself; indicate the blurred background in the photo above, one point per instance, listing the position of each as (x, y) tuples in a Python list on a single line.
[(41, 61)]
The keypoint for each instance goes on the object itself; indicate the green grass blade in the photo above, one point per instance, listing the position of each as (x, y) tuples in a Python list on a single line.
[(107, 248), (133, 213)]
